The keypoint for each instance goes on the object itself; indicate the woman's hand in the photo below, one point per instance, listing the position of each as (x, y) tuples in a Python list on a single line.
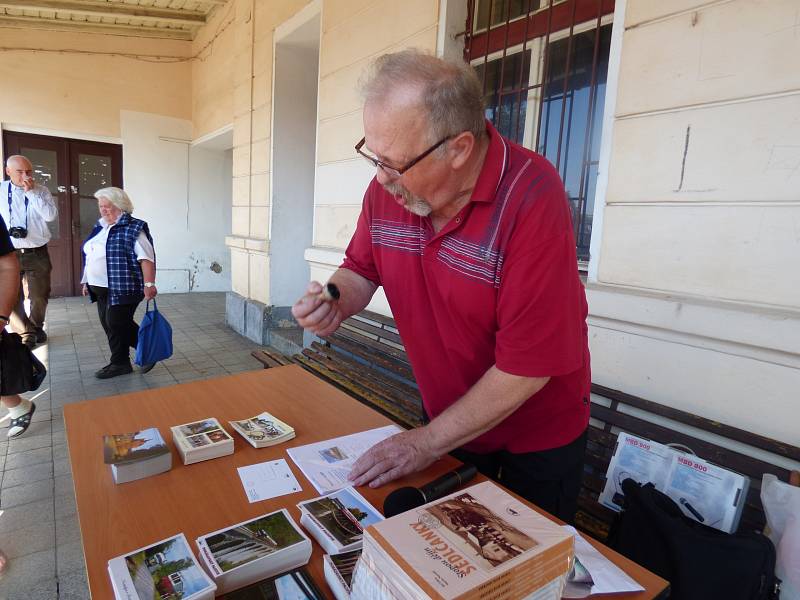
[(85, 290), (150, 292)]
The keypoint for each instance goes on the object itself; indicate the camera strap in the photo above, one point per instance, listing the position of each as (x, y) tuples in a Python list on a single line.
[(10, 215)]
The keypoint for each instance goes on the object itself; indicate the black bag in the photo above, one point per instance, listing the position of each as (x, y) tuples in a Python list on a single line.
[(20, 370), (701, 563)]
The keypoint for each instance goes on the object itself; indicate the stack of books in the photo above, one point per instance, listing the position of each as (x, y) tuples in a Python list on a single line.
[(201, 440), (242, 554), (337, 520), (263, 430), (136, 455), (478, 543), (166, 569)]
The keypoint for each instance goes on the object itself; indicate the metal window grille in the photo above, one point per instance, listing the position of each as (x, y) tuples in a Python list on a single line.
[(543, 64)]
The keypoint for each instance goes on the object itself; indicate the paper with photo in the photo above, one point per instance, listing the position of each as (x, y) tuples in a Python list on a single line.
[(267, 480), (327, 464), (606, 577)]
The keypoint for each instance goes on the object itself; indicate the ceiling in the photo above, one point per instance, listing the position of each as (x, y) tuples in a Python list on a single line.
[(176, 19)]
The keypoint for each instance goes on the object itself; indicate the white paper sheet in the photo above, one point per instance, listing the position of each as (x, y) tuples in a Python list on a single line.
[(607, 578), (267, 480), (327, 464)]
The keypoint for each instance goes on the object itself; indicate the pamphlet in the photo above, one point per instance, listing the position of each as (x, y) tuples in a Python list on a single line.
[(704, 492), (327, 464)]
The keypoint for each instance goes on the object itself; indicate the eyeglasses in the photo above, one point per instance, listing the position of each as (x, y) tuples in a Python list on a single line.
[(396, 171)]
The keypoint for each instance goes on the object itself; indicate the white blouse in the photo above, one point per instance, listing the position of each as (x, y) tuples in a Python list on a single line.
[(95, 272)]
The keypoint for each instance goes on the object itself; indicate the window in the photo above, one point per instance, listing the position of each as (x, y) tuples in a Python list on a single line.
[(543, 64)]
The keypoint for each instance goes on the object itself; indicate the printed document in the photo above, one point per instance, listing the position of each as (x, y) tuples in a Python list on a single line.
[(327, 464)]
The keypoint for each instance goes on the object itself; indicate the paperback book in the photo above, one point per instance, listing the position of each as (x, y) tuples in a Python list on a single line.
[(478, 543), (166, 569), (338, 569), (136, 455), (201, 440), (263, 430), (294, 585), (704, 492), (337, 520), (242, 554)]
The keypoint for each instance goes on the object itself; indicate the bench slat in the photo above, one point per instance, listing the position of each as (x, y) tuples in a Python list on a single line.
[(385, 350), (359, 387), (752, 467), (726, 431), (372, 330), (390, 364), (398, 387)]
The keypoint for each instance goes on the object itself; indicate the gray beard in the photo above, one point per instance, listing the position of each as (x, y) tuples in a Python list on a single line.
[(414, 204)]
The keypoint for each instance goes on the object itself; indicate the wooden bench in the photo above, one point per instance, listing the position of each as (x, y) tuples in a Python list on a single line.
[(365, 358)]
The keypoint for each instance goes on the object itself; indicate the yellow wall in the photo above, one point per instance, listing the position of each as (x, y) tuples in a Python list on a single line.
[(84, 93), (212, 72), (379, 26)]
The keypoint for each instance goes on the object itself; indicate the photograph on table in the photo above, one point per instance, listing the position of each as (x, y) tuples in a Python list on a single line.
[(203, 426), (343, 514)]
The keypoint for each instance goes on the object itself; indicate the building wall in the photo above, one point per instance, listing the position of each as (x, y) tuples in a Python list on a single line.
[(82, 94), (694, 293), (212, 73), (104, 93)]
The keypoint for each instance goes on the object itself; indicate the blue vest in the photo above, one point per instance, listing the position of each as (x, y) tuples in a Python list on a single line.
[(125, 279)]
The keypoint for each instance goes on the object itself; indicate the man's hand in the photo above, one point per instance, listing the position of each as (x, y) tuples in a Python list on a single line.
[(399, 455), (320, 317), (28, 183), (85, 289), (150, 292)]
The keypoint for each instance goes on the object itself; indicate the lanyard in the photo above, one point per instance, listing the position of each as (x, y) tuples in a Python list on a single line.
[(9, 207)]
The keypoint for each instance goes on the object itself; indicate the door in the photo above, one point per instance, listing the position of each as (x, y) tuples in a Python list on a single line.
[(93, 165), (69, 168)]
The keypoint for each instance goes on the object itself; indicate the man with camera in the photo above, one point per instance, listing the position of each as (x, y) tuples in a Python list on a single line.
[(26, 208)]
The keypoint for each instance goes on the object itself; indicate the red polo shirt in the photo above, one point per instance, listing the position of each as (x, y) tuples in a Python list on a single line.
[(498, 285)]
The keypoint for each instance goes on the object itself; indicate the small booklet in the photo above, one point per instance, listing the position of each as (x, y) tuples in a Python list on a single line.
[(166, 569), (294, 585), (136, 455), (337, 520), (247, 552), (263, 430), (704, 492), (201, 440), (338, 569)]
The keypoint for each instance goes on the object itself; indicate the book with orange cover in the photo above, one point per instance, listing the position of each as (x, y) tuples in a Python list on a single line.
[(480, 542)]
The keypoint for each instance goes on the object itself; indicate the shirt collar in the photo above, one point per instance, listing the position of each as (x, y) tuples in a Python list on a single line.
[(494, 167)]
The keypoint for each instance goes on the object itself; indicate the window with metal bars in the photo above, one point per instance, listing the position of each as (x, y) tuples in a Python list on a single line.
[(543, 64)]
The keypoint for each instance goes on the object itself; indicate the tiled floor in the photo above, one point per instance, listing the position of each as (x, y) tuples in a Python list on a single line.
[(38, 521)]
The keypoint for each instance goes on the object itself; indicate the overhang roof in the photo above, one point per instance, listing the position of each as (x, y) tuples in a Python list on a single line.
[(177, 19)]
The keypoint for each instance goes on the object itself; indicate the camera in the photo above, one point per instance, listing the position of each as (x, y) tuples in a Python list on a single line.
[(18, 232)]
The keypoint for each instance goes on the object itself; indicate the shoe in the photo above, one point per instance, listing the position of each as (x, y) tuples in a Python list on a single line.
[(18, 426), (146, 368), (113, 370), (41, 335)]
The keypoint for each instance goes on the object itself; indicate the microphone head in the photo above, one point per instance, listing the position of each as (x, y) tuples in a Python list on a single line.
[(401, 500)]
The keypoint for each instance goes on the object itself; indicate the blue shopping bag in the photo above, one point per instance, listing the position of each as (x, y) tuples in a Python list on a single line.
[(155, 337)]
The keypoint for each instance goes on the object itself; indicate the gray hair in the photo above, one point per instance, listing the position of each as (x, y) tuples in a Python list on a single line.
[(450, 92), (117, 197), (17, 157)]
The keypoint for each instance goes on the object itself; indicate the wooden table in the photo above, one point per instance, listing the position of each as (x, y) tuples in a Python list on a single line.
[(203, 497)]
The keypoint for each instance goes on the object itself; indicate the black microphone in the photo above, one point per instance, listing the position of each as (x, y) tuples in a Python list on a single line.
[(406, 498)]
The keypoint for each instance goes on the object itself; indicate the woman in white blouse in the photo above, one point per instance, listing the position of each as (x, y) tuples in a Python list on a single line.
[(119, 272)]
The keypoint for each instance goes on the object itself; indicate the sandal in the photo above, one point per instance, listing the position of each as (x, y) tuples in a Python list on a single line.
[(21, 423)]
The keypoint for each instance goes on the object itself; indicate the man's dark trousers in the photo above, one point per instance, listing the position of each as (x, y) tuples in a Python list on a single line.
[(550, 479)]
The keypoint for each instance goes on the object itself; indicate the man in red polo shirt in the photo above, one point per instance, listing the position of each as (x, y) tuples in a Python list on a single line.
[(470, 236)]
